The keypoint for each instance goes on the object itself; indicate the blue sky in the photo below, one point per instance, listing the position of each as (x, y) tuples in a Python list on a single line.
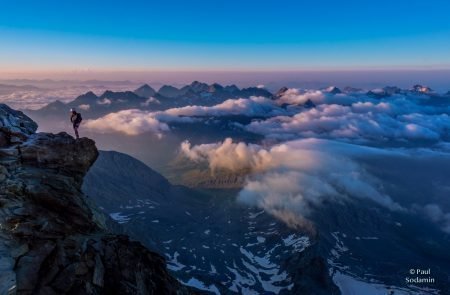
[(223, 35)]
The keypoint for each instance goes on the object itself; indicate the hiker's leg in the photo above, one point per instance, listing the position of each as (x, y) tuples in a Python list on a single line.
[(76, 131)]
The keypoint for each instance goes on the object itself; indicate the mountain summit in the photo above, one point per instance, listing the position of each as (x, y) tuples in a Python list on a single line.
[(145, 91)]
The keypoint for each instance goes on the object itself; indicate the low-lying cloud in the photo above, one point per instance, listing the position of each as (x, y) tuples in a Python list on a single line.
[(355, 118), (359, 122), (290, 179), (252, 107), (84, 107), (130, 122), (435, 213), (297, 96)]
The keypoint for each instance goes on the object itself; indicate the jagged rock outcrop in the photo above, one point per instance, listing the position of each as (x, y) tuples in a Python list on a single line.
[(281, 92), (51, 240), (333, 90), (14, 126), (310, 272)]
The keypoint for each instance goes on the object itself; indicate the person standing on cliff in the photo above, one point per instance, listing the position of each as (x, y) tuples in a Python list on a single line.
[(76, 119)]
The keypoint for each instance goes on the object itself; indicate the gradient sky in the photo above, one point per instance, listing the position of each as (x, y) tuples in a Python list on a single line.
[(223, 35)]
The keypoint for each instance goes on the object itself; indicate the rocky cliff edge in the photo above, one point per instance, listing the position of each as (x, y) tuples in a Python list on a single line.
[(51, 239)]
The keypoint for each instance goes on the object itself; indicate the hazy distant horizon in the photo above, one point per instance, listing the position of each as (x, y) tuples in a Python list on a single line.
[(439, 80)]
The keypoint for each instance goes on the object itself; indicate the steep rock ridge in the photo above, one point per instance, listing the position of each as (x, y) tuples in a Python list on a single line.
[(51, 240)]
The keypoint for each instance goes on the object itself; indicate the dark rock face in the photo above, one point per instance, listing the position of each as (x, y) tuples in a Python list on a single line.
[(231, 88), (309, 104), (333, 90), (198, 87), (125, 96), (145, 91), (169, 91), (215, 88), (392, 90), (255, 91), (14, 126), (126, 177), (281, 92), (52, 241), (310, 272), (86, 98)]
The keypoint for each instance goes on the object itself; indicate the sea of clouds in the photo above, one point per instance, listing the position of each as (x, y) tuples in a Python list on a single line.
[(290, 178), (135, 121), (317, 139), (317, 157), (345, 117), (314, 157)]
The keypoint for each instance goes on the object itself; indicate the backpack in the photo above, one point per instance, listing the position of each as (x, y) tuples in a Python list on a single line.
[(78, 119)]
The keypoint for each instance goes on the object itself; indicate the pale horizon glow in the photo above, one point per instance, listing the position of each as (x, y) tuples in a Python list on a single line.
[(273, 80)]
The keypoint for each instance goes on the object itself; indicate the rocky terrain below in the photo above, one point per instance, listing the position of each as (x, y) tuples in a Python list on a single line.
[(52, 239), (210, 241)]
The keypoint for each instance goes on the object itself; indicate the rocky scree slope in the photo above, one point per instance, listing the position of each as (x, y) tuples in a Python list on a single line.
[(209, 239), (52, 241)]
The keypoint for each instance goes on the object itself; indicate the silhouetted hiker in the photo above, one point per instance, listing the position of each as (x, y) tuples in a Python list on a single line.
[(76, 119)]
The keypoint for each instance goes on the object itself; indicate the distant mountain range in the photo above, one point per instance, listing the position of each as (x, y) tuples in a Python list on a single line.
[(145, 97), (197, 88), (197, 93)]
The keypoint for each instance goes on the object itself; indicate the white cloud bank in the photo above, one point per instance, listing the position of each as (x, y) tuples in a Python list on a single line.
[(250, 107), (355, 118), (289, 179), (130, 122), (134, 121), (360, 122), (84, 107)]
